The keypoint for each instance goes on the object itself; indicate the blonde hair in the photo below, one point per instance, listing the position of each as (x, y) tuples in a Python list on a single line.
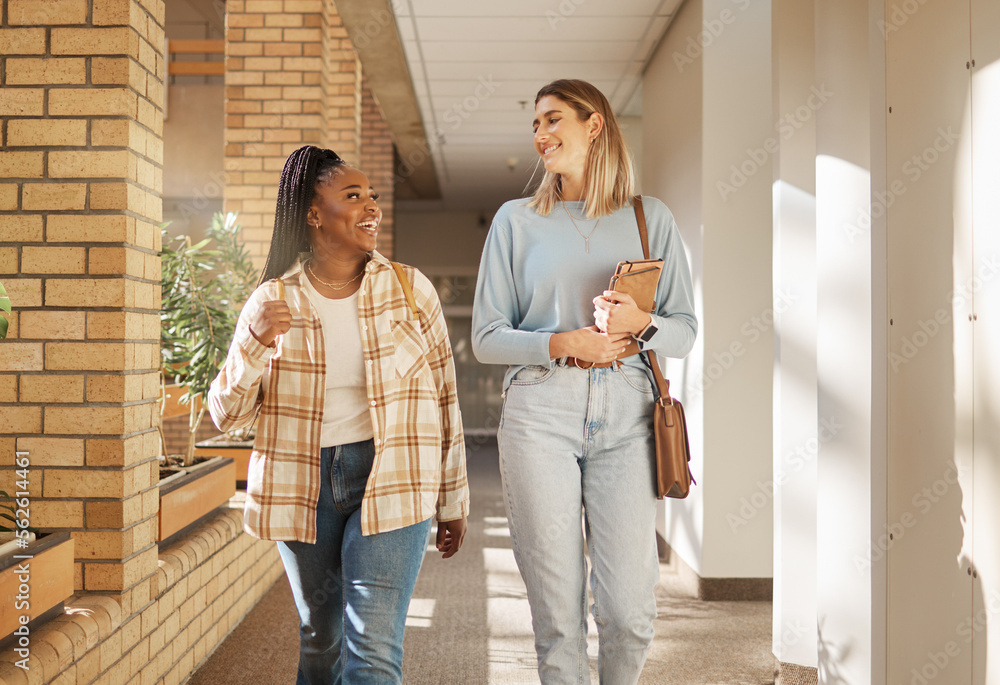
[(609, 179)]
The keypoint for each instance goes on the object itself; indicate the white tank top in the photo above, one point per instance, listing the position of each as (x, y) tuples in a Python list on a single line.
[(345, 412)]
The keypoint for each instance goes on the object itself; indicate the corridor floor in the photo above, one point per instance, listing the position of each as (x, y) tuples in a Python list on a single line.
[(469, 622)]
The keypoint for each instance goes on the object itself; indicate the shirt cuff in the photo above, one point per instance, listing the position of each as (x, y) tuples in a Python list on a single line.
[(256, 352)]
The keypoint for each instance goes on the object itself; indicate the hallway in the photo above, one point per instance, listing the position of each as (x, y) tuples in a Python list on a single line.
[(469, 621)]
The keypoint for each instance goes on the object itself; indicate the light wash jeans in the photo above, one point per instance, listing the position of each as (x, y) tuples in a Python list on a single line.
[(351, 591), (579, 442)]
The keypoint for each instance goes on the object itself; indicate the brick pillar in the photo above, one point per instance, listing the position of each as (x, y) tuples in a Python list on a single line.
[(377, 162), (290, 76), (80, 179)]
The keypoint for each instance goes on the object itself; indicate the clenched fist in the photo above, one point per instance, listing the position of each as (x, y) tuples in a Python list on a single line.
[(272, 319)]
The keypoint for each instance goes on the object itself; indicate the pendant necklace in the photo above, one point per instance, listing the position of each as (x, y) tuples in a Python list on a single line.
[(586, 238), (333, 286)]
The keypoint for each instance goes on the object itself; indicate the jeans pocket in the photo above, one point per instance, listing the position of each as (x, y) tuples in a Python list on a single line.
[(532, 375), (637, 379)]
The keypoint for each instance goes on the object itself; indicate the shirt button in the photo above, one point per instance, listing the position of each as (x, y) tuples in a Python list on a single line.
[(373, 403), (364, 327), (362, 291), (369, 362)]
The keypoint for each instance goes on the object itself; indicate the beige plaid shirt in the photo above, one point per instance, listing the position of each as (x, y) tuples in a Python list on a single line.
[(419, 466)]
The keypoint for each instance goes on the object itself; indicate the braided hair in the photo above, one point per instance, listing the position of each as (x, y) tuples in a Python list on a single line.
[(304, 170)]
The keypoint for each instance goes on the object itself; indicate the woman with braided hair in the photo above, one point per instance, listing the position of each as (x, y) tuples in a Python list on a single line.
[(346, 358)]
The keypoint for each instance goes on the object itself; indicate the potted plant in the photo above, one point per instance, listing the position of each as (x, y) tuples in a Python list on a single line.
[(4, 306), (202, 288), (203, 284)]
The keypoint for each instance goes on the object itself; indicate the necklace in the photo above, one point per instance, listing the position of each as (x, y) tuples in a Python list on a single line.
[(586, 238), (333, 286)]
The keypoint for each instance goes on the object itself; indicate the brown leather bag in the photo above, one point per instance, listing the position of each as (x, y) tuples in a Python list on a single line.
[(673, 454)]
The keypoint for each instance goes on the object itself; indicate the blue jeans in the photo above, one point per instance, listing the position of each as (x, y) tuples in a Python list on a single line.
[(575, 443), (351, 590)]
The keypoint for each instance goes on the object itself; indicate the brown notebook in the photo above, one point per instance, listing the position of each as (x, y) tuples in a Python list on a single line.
[(638, 278)]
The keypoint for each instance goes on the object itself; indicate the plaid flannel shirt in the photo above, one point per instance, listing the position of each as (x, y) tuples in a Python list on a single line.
[(419, 466)]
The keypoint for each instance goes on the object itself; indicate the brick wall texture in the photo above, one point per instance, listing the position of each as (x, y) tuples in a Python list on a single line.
[(292, 79), (204, 586), (377, 162), (81, 121), (81, 154)]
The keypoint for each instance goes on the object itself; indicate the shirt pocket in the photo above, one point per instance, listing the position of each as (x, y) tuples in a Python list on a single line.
[(409, 347)]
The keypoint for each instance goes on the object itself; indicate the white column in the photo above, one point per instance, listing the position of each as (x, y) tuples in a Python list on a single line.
[(851, 341), (798, 97)]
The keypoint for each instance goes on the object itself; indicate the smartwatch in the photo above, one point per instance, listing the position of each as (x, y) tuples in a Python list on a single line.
[(647, 333)]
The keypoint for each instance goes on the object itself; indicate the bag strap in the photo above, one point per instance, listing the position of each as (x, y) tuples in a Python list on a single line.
[(640, 218), (662, 384), (407, 289)]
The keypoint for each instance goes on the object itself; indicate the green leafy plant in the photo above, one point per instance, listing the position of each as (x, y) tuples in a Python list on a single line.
[(4, 306), (203, 286), (8, 512)]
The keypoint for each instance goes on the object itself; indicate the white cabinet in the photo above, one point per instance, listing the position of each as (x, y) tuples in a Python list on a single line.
[(942, 541)]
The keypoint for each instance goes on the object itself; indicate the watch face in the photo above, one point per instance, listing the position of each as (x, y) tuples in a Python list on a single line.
[(648, 334)]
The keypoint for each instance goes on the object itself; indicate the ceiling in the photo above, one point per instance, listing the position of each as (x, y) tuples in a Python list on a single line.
[(475, 67)]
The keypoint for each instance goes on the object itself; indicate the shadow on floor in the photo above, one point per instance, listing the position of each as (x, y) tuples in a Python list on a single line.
[(469, 622)]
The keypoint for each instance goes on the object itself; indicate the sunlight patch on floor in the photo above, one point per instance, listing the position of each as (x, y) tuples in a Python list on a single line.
[(420, 613)]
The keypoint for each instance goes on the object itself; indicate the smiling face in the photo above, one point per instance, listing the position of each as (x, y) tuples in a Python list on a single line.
[(344, 216), (561, 137)]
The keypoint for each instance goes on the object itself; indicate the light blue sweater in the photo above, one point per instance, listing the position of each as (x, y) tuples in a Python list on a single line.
[(536, 279)]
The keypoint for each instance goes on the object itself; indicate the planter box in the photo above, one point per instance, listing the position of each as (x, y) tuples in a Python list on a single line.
[(189, 495), (239, 451), (50, 581)]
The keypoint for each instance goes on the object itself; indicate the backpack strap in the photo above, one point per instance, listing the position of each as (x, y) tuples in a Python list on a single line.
[(407, 289)]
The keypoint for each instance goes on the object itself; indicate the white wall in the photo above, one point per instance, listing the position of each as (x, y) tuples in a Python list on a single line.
[(441, 240), (796, 433), (736, 121), (671, 171), (851, 341), (706, 102)]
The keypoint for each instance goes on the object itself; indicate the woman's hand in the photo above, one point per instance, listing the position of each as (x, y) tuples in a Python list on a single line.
[(274, 318), (616, 312), (588, 345), (450, 536)]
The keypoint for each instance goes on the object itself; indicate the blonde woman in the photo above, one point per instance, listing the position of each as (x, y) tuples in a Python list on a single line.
[(576, 431)]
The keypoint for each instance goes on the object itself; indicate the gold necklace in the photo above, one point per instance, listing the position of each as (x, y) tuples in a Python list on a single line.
[(333, 286), (586, 238)]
